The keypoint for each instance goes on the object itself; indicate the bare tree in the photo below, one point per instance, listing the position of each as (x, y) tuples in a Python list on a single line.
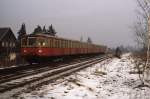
[(89, 40), (51, 31), (141, 26), (21, 33), (141, 29), (81, 39)]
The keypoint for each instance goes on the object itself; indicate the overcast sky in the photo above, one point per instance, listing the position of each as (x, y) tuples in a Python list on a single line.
[(105, 21)]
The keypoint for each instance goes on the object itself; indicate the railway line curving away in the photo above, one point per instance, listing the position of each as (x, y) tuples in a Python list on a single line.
[(34, 80)]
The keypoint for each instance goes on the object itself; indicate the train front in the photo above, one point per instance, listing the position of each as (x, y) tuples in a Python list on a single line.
[(33, 48)]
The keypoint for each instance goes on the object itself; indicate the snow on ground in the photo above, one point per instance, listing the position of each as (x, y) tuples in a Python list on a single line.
[(109, 79)]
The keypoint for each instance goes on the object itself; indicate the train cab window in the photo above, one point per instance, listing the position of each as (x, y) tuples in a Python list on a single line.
[(24, 42), (32, 41)]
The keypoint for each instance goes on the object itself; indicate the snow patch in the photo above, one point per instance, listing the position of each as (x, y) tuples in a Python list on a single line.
[(109, 79)]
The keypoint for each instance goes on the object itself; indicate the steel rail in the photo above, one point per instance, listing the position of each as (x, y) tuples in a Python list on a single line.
[(37, 80)]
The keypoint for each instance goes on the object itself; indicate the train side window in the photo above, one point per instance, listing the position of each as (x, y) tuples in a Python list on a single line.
[(59, 44), (79, 44), (70, 44), (73, 44), (63, 43), (50, 43), (67, 43), (54, 43), (76, 45)]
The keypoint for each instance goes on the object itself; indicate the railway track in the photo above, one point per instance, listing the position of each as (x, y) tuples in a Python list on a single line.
[(37, 79), (19, 72)]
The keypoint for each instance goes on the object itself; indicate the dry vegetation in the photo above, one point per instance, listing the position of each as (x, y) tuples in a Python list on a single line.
[(141, 68)]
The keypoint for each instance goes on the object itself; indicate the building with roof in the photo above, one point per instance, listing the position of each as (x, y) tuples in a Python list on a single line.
[(8, 42)]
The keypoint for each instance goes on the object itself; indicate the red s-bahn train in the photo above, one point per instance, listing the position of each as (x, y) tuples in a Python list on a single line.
[(41, 47)]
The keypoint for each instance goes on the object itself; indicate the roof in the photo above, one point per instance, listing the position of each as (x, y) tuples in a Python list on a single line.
[(3, 32)]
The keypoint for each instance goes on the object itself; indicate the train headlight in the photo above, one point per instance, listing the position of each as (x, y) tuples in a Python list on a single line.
[(40, 51), (24, 51), (44, 44)]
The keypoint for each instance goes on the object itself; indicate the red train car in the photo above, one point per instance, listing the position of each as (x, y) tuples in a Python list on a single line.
[(36, 48)]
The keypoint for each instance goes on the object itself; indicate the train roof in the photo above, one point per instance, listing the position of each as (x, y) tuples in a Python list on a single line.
[(56, 37)]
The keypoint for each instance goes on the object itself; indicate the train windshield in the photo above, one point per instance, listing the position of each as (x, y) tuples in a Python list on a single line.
[(32, 41), (41, 42)]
